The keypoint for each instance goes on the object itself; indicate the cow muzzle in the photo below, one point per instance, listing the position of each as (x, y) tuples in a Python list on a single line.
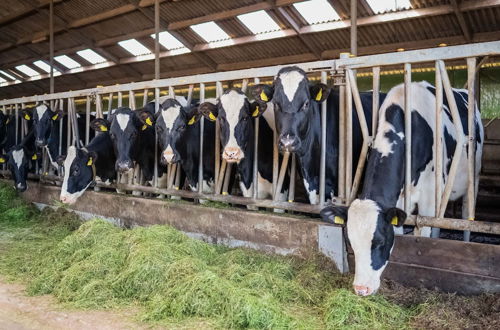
[(168, 157), (362, 290), (232, 154), (21, 187), (67, 200), (40, 143), (124, 166), (288, 143)]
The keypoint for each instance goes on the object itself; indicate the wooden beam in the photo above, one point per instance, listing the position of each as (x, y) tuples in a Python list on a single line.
[(243, 40), (25, 12), (461, 21), (306, 57)]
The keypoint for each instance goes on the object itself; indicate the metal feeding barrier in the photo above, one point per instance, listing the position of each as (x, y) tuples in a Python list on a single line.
[(343, 74)]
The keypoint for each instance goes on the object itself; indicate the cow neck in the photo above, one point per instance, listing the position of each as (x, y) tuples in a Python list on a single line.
[(245, 166), (189, 152)]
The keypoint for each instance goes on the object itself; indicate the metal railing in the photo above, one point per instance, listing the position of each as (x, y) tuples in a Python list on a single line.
[(343, 73)]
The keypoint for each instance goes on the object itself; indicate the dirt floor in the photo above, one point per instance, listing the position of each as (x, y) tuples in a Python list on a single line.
[(20, 312)]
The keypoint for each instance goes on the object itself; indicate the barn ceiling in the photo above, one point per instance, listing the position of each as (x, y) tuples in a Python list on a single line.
[(100, 25)]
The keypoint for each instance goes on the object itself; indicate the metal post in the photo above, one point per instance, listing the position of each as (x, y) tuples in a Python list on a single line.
[(202, 131), (342, 136), (145, 97), (131, 100), (322, 164), (68, 126), (407, 89), (61, 125), (255, 192), (281, 177), (348, 140), (438, 153), (157, 108), (471, 182), (375, 99), (157, 39), (354, 27), (87, 120), (293, 172), (98, 106), (110, 103), (218, 170), (190, 95), (16, 114), (120, 100), (51, 45)]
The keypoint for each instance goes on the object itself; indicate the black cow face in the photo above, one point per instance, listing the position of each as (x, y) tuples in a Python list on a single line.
[(171, 124), (124, 127), (293, 105), (78, 173), (234, 113), (18, 161), (43, 119), (371, 234)]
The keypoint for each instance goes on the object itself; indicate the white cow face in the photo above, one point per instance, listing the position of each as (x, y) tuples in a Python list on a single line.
[(371, 234)]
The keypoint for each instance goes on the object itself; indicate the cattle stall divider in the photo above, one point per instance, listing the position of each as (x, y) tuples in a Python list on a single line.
[(343, 72)]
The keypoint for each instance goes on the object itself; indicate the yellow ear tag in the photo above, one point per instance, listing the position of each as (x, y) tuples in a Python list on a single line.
[(394, 221), (256, 112), (27, 117), (89, 163), (2, 160), (212, 117), (338, 220), (149, 122), (54, 117), (319, 95), (103, 128), (263, 96), (192, 120), (34, 157), (144, 127)]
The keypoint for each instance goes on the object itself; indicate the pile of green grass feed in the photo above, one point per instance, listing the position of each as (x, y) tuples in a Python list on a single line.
[(166, 277)]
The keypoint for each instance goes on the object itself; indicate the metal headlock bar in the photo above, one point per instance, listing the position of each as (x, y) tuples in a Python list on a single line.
[(342, 73)]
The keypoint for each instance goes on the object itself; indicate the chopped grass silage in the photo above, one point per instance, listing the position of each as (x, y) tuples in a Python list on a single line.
[(170, 278)]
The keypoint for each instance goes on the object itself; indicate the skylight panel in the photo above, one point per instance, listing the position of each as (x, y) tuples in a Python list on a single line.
[(134, 47), (27, 70), (382, 6), (168, 41), (259, 22), (2, 80), (91, 56), (316, 11), (44, 66), (210, 31), (8, 75), (67, 61)]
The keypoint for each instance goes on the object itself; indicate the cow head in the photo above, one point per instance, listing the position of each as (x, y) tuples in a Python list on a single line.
[(371, 234), (18, 161), (234, 113), (171, 124), (79, 173), (43, 118), (294, 102), (124, 126)]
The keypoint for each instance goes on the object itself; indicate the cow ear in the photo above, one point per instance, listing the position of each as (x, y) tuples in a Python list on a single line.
[(192, 116), (395, 216), (60, 160), (146, 118), (208, 110), (334, 214), (319, 92), (27, 114), (57, 115), (263, 93), (3, 159), (99, 125), (257, 108), (92, 157)]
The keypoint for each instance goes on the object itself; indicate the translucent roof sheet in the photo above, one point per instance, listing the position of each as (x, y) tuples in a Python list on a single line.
[(169, 41), (2, 80), (259, 22), (8, 75), (67, 61), (210, 31), (134, 47), (27, 70), (316, 11), (382, 6), (44, 66), (91, 56)]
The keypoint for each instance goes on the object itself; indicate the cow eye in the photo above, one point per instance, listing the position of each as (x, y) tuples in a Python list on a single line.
[(76, 171), (181, 127), (305, 105)]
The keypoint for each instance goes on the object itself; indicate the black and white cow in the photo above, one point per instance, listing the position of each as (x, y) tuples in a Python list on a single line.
[(298, 122), (370, 218), (236, 118), (133, 138), (178, 130), (46, 124), (20, 160), (83, 165)]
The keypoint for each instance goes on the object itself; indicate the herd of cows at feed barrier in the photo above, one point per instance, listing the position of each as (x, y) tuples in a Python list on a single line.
[(291, 107)]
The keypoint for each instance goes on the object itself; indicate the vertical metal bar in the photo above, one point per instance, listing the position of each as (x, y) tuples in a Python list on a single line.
[(218, 93), (157, 39), (408, 105), (145, 97), (227, 178), (61, 126), (244, 85), (375, 99), (202, 131), (342, 136), (293, 172), (354, 27), (98, 106), (157, 108), (190, 95), (16, 114), (438, 137), (322, 164), (348, 140), (131, 100), (471, 179), (171, 91), (68, 125), (110, 103), (255, 193), (87, 120), (281, 177), (120, 100), (51, 45)]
